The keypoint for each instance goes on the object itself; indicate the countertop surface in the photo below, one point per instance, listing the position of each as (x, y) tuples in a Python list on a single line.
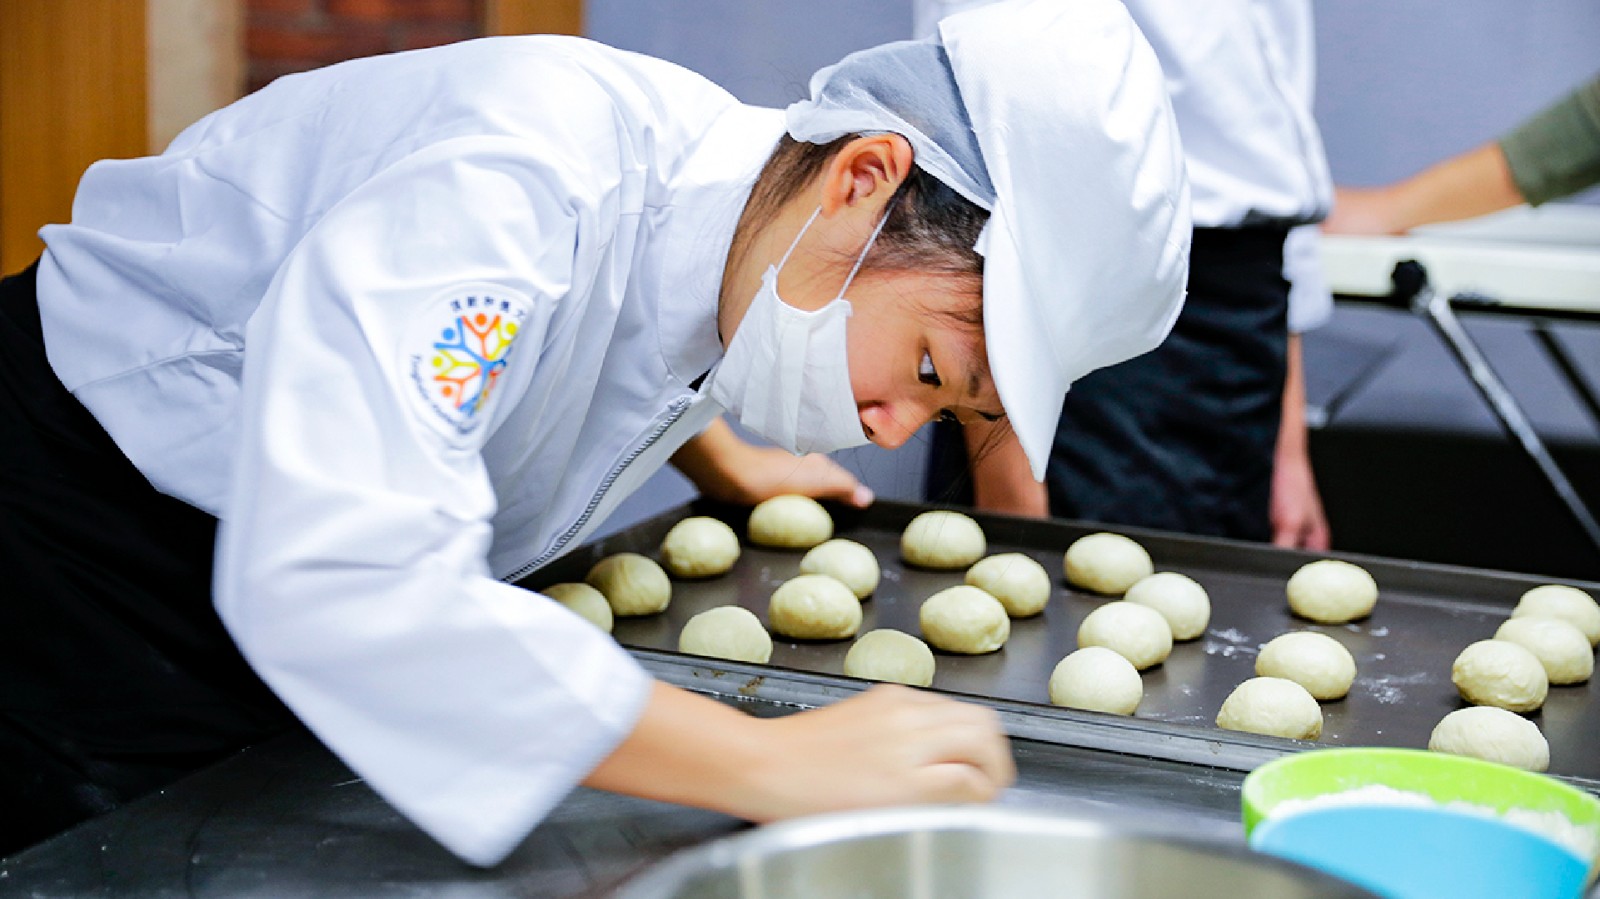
[(286, 819)]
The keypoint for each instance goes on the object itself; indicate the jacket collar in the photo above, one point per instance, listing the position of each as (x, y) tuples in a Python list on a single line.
[(703, 208)]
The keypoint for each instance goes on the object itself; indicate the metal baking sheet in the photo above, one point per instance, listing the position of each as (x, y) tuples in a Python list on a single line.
[(1425, 615)]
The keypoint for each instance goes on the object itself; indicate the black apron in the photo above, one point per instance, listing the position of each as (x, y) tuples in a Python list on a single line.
[(1182, 438), (116, 675)]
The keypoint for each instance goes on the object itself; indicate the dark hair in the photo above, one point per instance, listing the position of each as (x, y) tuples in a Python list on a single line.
[(930, 228)]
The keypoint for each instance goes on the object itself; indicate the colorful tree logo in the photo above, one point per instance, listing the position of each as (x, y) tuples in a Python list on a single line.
[(469, 358)]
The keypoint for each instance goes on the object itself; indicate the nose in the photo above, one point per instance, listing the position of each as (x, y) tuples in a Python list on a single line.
[(891, 425)]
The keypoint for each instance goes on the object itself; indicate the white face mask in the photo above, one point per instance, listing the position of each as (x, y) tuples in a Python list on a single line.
[(786, 374)]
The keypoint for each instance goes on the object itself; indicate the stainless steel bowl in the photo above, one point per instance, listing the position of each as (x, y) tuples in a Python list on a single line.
[(972, 853)]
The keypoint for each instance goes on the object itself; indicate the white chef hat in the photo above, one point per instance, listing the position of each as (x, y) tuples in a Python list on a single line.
[(1051, 115)]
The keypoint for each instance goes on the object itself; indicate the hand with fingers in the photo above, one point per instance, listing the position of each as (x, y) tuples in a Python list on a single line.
[(891, 745), (724, 467)]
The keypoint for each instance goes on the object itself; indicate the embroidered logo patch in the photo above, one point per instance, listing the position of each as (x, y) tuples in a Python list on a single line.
[(457, 353)]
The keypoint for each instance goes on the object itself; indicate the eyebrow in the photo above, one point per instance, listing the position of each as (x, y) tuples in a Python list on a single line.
[(974, 382)]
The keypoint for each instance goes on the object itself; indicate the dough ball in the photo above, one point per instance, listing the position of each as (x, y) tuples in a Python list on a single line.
[(1500, 673), (700, 547), (890, 655), (790, 522), (1560, 647), (965, 619), (1492, 734), (1178, 598), (585, 600), (814, 607), (1137, 633), (726, 632), (1570, 603), (632, 584), (1315, 661), (1330, 591), (1021, 584), (942, 540), (1106, 563), (1274, 707), (1097, 679), (845, 561)]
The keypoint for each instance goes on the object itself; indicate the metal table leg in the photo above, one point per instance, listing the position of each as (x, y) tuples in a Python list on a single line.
[(1412, 289)]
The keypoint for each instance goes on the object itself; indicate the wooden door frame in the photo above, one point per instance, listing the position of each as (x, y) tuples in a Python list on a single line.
[(73, 90), (533, 17)]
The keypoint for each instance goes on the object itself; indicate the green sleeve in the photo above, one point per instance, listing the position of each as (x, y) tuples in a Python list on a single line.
[(1557, 152)]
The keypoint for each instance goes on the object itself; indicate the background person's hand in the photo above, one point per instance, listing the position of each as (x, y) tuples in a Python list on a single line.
[(1362, 211), (1298, 521)]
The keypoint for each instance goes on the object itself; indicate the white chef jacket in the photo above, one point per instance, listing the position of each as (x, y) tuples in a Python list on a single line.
[(1241, 75), (540, 223)]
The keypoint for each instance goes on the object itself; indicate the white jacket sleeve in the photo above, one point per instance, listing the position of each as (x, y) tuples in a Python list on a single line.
[(351, 565), (1310, 300)]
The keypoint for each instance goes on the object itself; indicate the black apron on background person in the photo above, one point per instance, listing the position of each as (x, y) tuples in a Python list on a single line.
[(1184, 437), (116, 675)]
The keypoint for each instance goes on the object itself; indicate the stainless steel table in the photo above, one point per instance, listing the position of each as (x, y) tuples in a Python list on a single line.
[(286, 819)]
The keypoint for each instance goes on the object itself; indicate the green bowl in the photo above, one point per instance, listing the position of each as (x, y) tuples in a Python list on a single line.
[(1444, 778)]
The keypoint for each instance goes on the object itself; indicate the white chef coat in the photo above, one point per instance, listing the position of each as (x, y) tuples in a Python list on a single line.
[(350, 226), (1241, 74)]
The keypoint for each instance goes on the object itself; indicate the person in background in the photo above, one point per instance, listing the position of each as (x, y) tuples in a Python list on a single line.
[(1553, 154), (1206, 434), (290, 407)]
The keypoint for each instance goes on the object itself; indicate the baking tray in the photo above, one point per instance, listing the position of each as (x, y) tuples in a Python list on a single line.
[(1425, 615)]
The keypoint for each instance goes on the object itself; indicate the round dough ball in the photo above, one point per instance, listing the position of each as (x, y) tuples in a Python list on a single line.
[(814, 607), (942, 540), (585, 600), (1570, 603), (1330, 591), (1097, 679), (1274, 707), (632, 584), (1560, 647), (726, 632), (700, 547), (1106, 563), (1315, 661), (1178, 598), (1494, 735), (965, 619), (790, 522), (1020, 583), (845, 561), (890, 655), (1137, 633), (1500, 673)]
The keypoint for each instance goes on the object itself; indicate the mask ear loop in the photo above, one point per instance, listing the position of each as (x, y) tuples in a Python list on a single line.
[(884, 220), (803, 229)]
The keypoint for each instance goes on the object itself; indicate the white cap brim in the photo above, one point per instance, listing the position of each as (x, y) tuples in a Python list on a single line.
[(1086, 252)]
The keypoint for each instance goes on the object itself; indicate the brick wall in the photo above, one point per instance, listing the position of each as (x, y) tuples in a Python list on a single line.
[(283, 36)]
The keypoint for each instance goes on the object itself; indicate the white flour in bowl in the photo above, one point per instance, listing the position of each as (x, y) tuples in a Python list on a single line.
[(1580, 839)]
